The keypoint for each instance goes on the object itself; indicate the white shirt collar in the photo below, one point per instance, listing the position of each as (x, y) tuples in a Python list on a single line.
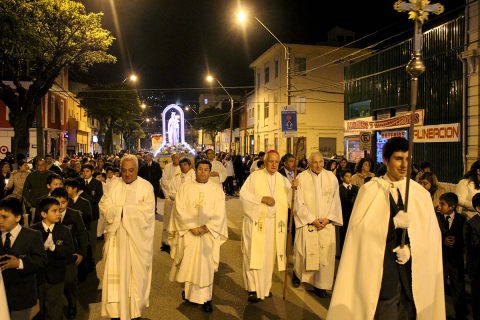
[(46, 228), (13, 233), (347, 185)]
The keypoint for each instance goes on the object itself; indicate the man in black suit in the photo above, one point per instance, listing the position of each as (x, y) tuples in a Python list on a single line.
[(21, 255), (152, 172), (471, 234), (288, 171), (58, 243), (451, 225), (348, 194), (93, 190), (72, 220)]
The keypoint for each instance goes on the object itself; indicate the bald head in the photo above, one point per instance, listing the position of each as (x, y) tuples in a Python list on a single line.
[(315, 162)]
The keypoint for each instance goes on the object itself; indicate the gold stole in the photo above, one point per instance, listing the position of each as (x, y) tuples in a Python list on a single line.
[(257, 251)]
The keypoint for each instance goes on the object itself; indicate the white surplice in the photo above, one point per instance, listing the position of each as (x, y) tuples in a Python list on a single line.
[(264, 229), (359, 276), (317, 197), (218, 167), (169, 173), (129, 212), (4, 314), (196, 258)]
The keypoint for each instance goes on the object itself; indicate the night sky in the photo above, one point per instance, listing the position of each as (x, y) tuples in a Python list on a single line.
[(173, 43)]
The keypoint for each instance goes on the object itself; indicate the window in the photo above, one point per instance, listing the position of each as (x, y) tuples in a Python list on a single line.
[(276, 143), (359, 109), (327, 146), (276, 69), (52, 109), (258, 112), (265, 110), (267, 73), (301, 105), (265, 141), (275, 107), (62, 112), (258, 79), (300, 66), (7, 116)]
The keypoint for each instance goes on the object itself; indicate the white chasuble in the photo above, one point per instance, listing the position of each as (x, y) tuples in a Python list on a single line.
[(264, 229), (317, 197), (196, 258), (359, 277), (129, 212), (218, 167), (4, 314)]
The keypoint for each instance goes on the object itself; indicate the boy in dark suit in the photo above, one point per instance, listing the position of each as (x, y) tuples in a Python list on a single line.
[(94, 191), (72, 219), (472, 246), (348, 194), (21, 256), (58, 243), (451, 225)]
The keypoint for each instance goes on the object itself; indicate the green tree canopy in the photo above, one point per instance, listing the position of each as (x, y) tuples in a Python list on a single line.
[(38, 38)]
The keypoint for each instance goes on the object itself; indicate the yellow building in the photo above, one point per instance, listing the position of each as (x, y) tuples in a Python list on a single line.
[(316, 91)]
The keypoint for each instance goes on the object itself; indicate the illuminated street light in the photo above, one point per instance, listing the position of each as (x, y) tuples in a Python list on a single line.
[(143, 106), (132, 78), (242, 18), (210, 79)]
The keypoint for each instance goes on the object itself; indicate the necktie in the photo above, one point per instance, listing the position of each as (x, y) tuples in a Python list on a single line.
[(349, 187), (447, 220), (7, 245), (86, 182)]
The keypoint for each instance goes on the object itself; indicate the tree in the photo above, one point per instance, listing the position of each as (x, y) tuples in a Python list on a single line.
[(130, 129), (114, 106), (38, 39)]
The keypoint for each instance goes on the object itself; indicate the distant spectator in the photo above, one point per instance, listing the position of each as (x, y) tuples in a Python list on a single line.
[(17, 179), (429, 181), (362, 170), (467, 188)]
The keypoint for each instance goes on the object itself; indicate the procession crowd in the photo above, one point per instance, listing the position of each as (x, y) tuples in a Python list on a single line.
[(395, 262)]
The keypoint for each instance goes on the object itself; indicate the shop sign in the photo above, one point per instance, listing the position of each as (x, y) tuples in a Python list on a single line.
[(365, 141), (437, 133), (400, 121)]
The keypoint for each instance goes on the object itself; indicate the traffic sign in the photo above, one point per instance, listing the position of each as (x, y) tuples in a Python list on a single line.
[(289, 121), (365, 141)]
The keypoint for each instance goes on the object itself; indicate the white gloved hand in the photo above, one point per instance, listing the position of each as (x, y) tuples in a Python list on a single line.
[(49, 244), (403, 254), (401, 220)]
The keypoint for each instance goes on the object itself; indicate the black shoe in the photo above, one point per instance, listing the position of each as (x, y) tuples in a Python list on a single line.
[(252, 297), (321, 293), (295, 280), (71, 312), (207, 306), (165, 248)]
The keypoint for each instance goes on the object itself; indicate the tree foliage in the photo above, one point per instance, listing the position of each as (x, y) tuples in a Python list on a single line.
[(38, 38), (115, 106)]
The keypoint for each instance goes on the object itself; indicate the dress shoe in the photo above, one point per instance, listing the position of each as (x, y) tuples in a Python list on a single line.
[(71, 312), (207, 306), (295, 280), (252, 297), (321, 293)]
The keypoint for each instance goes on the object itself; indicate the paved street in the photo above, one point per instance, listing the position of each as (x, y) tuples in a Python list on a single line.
[(229, 296)]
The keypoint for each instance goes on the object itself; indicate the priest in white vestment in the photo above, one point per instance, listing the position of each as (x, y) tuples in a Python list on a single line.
[(318, 212), (378, 278), (199, 226), (170, 171), (219, 172), (128, 207), (264, 197)]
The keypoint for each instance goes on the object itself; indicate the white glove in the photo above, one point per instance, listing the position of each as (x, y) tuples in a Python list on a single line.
[(49, 244), (403, 254), (401, 220)]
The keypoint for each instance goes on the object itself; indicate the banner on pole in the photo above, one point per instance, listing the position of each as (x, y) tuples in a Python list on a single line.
[(289, 121)]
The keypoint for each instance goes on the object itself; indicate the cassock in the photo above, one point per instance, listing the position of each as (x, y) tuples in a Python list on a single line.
[(4, 314), (129, 211), (177, 181), (359, 277), (264, 231), (218, 167), (196, 258), (169, 172), (317, 197)]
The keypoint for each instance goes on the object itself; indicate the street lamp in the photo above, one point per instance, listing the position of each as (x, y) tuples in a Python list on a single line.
[(132, 78), (210, 79), (241, 18), (143, 105), (187, 108)]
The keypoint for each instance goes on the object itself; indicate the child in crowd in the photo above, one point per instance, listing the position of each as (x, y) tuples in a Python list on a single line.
[(472, 246), (451, 225), (58, 243)]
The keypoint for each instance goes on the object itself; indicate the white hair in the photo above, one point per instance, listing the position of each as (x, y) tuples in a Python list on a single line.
[(315, 153), (129, 157)]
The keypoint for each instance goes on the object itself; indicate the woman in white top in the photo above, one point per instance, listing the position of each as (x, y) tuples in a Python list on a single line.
[(467, 188)]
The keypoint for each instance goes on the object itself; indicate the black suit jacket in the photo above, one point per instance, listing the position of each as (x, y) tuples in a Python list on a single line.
[(82, 205), (95, 192), (347, 199), (21, 285), (453, 256), (57, 259), (73, 221), (152, 174), (472, 245)]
